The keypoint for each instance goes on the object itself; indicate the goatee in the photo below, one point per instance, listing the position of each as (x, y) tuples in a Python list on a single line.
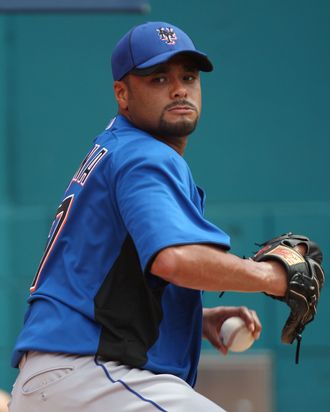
[(179, 129)]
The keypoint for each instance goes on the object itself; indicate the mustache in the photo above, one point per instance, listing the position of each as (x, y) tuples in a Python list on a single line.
[(180, 103)]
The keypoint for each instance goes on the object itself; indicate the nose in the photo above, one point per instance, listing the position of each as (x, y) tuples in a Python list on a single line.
[(178, 89)]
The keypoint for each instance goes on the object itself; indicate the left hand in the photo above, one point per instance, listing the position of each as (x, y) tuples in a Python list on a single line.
[(213, 319)]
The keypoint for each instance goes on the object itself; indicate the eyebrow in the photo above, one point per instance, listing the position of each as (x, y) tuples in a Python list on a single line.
[(163, 68)]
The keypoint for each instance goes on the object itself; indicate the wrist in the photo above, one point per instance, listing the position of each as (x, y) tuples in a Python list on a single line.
[(276, 278)]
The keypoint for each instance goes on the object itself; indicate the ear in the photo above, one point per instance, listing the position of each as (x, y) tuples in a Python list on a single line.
[(121, 94)]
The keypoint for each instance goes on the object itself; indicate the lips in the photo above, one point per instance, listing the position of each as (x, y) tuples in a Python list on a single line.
[(181, 109)]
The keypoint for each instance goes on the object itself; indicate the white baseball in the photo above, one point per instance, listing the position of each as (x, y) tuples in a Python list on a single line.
[(235, 335)]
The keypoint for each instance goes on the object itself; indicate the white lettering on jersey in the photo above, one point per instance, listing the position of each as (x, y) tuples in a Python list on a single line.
[(88, 164)]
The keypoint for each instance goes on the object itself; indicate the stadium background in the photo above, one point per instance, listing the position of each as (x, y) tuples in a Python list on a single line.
[(261, 150)]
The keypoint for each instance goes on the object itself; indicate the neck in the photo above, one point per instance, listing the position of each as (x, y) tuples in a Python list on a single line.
[(177, 143)]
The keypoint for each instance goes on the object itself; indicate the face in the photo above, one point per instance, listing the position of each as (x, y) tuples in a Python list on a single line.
[(166, 103)]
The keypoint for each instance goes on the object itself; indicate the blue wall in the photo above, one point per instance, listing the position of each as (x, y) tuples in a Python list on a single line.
[(261, 149)]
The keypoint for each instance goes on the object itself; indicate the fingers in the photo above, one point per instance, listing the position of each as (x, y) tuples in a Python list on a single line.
[(215, 340), (250, 317), (257, 326), (251, 320), (301, 248), (223, 348), (213, 319)]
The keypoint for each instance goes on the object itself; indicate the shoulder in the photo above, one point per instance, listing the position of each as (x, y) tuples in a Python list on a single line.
[(135, 152)]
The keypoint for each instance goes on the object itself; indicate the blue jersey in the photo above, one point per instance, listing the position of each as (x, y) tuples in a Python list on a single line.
[(93, 292)]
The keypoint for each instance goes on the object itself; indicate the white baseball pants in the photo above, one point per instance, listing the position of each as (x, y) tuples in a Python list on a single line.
[(55, 382)]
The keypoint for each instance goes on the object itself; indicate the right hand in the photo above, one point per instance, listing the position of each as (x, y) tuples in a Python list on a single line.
[(213, 319)]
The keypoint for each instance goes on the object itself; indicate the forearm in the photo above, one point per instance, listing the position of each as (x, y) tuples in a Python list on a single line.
[(209, 268)]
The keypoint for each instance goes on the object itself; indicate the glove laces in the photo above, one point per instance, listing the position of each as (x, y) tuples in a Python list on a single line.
[(299, 337)]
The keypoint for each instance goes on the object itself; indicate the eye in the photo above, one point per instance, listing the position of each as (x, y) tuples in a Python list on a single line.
[(159, 79), (189, 77)]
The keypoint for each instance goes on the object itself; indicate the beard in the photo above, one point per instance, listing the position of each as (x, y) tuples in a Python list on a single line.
[(181, 128), (166, 130)]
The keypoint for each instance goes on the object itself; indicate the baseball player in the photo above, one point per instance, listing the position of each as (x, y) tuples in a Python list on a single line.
[(115, 318)]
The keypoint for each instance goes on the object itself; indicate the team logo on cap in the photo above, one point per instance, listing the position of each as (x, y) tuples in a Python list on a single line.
[(167, 34)]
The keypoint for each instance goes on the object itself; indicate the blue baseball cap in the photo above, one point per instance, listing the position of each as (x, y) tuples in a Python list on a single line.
[(146, 46)]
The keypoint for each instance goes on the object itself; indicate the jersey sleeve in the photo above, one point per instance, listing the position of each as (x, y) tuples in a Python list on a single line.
[(155, 197)]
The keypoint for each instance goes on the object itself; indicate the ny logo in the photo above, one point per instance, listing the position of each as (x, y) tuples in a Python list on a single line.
[(167, 34)]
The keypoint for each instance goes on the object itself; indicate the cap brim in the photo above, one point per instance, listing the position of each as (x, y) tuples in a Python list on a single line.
[(200, 59)]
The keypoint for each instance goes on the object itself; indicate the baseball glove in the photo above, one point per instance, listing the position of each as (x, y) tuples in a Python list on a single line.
[(305, 279)]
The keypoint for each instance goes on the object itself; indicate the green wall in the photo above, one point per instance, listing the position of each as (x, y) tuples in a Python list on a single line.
[(261, 149)]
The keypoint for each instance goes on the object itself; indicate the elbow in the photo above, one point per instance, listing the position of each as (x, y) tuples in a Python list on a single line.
[(166, 264)]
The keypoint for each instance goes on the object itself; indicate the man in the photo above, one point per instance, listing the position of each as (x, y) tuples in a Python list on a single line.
[(115, 318)]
